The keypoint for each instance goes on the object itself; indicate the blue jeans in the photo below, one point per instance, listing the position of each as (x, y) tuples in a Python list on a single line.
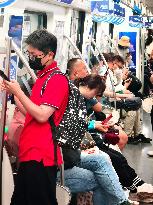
[(95, 173)]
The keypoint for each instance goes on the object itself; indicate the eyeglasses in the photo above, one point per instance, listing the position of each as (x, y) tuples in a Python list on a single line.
[(31, 56)]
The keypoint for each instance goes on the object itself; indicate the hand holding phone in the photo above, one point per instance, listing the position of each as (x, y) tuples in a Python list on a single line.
[(2, 74), (107, 119)]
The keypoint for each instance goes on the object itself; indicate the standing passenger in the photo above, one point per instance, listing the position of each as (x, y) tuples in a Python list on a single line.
[(36, 181)]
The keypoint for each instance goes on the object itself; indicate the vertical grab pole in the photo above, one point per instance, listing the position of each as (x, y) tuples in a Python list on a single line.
[(142, 59), (78, 52), (4, 109), (24, 61)]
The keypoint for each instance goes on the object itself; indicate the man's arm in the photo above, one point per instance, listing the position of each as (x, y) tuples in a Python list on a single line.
[(40, 113), (111, 95), (97, 107), (20, 106)]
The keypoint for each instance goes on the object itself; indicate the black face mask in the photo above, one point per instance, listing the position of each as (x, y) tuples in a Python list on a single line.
[(36, 64)]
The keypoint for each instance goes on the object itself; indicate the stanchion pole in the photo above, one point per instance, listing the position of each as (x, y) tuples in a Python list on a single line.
[(4, 109)]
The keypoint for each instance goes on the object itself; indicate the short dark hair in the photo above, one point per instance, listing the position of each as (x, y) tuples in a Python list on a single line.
[(70, 65), (119, 59), (43, 41), (109, 57), (93, 82)]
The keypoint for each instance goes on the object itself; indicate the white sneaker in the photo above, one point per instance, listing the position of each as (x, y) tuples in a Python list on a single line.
[(145, 193), (150, 153), (133, 202), (148, 188)]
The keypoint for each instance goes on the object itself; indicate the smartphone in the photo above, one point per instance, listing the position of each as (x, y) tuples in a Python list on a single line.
[(107, 119), (2, 74)]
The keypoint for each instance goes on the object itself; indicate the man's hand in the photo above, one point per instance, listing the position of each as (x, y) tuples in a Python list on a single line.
[(12, 87), (127, 92), (130, 95), (100, 127)]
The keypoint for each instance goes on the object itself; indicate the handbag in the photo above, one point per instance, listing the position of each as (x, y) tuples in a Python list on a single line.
[(63, 194), (112, 136), (14, 132)]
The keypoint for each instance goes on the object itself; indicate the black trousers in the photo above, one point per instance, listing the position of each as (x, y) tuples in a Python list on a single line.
[(152, 117), (35, 185), (127, 175)]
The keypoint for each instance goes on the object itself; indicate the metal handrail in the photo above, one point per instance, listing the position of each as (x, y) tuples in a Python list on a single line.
[(111, 40), (24, 61), (4, 108), (78, 52), (106, 64)]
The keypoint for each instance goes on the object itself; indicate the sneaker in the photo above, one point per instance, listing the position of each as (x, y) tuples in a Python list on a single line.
[(150, 153), (145, 193), (144, 139), (129, 202), (133, 140)]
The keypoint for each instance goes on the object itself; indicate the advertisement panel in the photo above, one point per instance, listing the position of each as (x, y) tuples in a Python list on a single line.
[(5, 3), (15, 29)]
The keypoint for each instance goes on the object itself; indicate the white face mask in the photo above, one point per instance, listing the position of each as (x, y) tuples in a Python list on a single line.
[(102, 71)]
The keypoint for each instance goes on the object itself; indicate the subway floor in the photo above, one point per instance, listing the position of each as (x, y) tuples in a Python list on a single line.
[(137, 154)]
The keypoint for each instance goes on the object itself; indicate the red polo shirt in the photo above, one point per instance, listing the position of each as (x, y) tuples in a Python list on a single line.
[(36, 141)]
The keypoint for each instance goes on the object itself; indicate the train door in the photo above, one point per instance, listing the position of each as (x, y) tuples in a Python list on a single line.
[(33, 21), (77, 28), (92, 51), (74, 28), (80, 31)]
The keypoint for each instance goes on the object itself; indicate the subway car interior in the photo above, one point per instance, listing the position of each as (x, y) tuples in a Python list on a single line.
[(89, 140)]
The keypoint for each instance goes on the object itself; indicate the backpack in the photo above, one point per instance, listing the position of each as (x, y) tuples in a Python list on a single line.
[(71, 130), (135, 85)]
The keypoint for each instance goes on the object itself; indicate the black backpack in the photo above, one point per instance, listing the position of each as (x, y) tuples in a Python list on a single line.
[(71, 130), (135, 85)]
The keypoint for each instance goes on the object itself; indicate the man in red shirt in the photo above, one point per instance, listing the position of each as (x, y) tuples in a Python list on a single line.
[(36, 181)]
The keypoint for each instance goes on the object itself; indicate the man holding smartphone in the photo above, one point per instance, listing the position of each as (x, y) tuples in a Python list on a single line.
[(36, 180)]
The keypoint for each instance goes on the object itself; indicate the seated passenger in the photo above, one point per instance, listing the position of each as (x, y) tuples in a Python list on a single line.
[(132, 121), (127, 175), (131, 82)]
